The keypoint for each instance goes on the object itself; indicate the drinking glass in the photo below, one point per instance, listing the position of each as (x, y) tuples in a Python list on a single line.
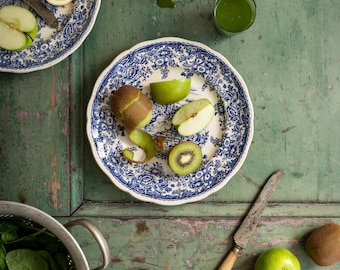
[(234, 16)]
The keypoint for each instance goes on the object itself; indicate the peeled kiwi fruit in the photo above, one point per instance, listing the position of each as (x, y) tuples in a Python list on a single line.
[(185, 158), (323, 244), (132, 107)]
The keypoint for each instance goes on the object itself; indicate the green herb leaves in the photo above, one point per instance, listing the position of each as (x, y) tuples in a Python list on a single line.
[(30, 248), (25, 259)]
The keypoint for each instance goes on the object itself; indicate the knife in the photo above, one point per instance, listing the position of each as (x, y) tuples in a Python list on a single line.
[(249, 224), (43, 12)]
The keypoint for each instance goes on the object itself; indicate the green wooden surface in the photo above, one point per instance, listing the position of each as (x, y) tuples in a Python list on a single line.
[(290, 60)]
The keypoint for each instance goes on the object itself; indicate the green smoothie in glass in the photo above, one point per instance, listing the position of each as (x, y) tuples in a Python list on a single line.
[(234, 16)]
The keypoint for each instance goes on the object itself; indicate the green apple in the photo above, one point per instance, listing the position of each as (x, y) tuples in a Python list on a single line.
[(277, 259), (59, 2), (193, 117), (18, 28), (168, 92), (143, 140), (132, 107)]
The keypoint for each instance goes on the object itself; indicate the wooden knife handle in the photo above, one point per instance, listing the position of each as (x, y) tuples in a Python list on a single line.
[(230, 260)]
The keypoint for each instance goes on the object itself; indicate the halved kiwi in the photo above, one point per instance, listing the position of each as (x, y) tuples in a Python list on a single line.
[(185, 158)]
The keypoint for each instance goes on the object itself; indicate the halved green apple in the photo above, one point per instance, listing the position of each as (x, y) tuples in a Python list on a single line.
[(145, 141), (168, 92), (193, 117), (132, 107), (18, 28)]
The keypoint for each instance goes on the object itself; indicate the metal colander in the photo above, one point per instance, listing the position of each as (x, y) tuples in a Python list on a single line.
[(34, 217)]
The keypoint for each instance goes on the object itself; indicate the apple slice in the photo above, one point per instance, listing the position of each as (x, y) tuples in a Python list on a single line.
[(18, 28), (193, 117), (167, 92), (59, 2), (143, 140)]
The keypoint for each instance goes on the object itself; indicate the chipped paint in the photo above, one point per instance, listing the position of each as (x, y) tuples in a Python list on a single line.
[(53, 98), (276, 242), (139, 259), (23, 115), (142, 228), (54, 186)]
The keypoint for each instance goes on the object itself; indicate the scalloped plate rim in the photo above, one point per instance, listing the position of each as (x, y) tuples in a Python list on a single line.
[(165, 202), (63, 56)]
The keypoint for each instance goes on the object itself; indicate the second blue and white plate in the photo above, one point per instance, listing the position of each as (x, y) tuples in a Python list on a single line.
[(51, 46), (224, 142)]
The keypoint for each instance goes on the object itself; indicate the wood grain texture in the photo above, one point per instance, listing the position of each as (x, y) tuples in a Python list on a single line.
[(290, 60), (34, 137)]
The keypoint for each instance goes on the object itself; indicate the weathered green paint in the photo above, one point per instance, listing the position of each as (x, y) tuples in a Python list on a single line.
[(194, 243), (290, 60)]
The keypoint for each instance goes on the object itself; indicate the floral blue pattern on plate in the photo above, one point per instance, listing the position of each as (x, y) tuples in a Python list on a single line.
[(224, 142), (51, 46)]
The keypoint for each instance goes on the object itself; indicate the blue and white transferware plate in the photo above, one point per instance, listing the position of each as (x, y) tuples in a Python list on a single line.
[(51, 46), (224, 142)]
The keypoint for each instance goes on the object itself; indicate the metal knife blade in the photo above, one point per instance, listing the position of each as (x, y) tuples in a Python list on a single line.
[(43, 12), (249, 223)]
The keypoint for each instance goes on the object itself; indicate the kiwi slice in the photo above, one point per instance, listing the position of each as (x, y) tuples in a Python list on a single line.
[(185, 158)]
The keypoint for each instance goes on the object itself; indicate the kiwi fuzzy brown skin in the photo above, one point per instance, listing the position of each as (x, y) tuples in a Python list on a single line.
[(132, 107), (123, 98), (185, 148), (160, 141), (323, 244)]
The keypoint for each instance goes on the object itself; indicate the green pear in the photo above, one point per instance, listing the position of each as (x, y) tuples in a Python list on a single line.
[(193, 117), (18, 28), (168, 92), (143, 140)]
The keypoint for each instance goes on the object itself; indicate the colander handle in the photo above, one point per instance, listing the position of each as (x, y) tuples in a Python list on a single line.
[(98, 236)]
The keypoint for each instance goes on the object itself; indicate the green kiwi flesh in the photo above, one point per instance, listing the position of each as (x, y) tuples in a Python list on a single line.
[(185, 158)]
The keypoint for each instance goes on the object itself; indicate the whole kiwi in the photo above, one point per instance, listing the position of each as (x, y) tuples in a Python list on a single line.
[(323, 244)]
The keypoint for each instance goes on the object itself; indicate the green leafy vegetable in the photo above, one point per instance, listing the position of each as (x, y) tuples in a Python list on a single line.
[(8, 232), (48, 258), (165, 3), (25, 259), (24, 247), (61, 261), (3, 265)]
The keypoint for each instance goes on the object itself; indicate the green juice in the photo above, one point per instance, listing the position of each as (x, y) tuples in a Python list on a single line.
[(234, 16)]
